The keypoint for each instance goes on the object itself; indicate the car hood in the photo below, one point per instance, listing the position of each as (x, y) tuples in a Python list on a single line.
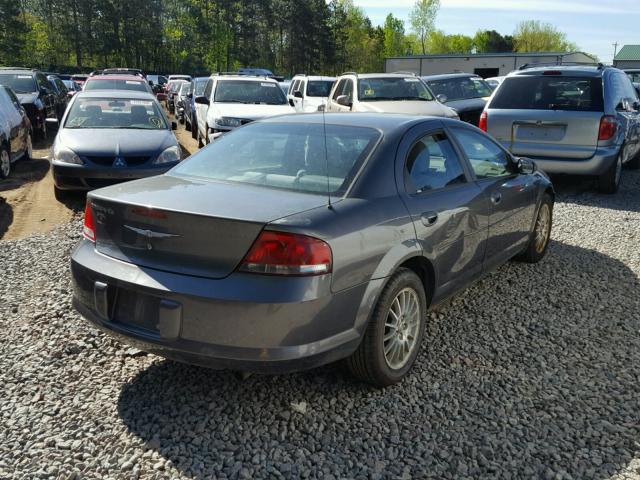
[(408, 107), (106, 141), (467, 104), (27, 97), (250, 111)]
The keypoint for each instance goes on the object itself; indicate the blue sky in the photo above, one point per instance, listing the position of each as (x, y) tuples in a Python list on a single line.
[(593, 25)]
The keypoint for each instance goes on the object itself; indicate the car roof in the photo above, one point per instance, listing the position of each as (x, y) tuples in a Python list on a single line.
[(379, 75), (115, 94), (577, 70), (446, 76), (21, 71), (251, 78), (314, 77), (385, 122), (132, 78)]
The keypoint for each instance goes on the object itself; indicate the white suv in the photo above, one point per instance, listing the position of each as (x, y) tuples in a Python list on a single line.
[(385, 93), (309, 94), (230, 101)]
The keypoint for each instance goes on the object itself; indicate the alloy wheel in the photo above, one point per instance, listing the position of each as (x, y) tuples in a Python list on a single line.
[(543, 227), (401, 328), (5, 163)]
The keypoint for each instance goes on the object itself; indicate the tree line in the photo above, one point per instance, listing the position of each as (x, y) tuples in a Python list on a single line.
[(201, 36)]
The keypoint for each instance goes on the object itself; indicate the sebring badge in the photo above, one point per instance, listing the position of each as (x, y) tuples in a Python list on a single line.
[(150, 235)]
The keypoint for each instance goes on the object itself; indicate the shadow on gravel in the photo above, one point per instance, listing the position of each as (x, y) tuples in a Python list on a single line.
[(533, 372), (583, 191), (25, 171)]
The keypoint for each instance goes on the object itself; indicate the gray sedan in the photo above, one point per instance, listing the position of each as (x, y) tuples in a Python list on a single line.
[(111, 136), (291, 243)]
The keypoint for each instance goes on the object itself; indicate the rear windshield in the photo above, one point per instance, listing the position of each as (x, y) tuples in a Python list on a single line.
[(634, 76), (19, 82), (319, 88), (285, 156), (115, 85), (115, 113), (460, 88), (549, 93), (248, 91), (392, 88)]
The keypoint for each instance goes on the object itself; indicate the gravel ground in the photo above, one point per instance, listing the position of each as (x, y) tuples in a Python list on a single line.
[(533, 372)]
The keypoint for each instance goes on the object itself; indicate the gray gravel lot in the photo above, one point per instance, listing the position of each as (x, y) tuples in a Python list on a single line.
[(533, 372)]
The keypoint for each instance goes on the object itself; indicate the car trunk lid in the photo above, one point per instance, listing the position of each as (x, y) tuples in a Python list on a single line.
[(188, 226)]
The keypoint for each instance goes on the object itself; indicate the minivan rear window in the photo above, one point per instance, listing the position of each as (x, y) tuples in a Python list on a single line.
[(549, 93)]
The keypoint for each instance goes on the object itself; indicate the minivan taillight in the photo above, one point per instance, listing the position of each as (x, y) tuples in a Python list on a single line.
[(284, 253), (89, 230), (608, 128), (482, 124)]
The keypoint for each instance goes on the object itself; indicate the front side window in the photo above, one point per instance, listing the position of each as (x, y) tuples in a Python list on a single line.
[(460, 88), (339, 89), (19, 83), (549, 92), (208, 88), (487, 159), (392, 88), (285, 156), (432, 163), (199, 87), (115, 113), (319, 88), (42, 81), (250, 92)]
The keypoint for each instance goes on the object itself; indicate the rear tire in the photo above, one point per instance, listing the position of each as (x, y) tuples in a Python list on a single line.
[(541, 235), (194, 128), (392, 340), (609, 181), (200, 144)]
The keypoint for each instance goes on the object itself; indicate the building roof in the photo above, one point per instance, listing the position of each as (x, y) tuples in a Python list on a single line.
[(505, 54), (628, 53)]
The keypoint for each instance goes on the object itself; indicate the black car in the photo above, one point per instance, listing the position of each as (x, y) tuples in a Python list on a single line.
[(36, 95), (62, 92), (466, 93), (15, 131)]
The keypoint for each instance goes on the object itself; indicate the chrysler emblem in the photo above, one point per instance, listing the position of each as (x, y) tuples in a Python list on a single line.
[(149, 235)]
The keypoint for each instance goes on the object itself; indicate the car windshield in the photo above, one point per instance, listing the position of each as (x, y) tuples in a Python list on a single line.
[(319, 88), (392, 88), (249, 91), (115, 113), (460, 88), (19, 82), (69, 84), (549, 93), (175, 86), (199, 87), (108, 84), (285, 156)]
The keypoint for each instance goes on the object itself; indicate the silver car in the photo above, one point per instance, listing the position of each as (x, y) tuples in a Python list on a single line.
[(580, 120)]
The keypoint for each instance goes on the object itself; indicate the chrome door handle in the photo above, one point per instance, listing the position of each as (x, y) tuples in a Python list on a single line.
[(429, 218), (496, 198)]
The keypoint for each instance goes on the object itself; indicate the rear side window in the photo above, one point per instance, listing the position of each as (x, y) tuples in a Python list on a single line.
[(432, 164), (549, 93)]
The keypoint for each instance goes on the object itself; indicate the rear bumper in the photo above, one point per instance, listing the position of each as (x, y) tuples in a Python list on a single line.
[(243, 322), (81, 177), (596, 165)]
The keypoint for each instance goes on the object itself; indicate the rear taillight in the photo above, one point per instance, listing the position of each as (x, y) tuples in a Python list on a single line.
[(283, 253), (482, 124), (608, 128), (89, 230)]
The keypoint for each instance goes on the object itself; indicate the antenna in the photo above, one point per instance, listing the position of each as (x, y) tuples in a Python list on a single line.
[(326, 158)]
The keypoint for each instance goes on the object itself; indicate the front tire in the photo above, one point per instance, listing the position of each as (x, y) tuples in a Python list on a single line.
[(5, 162), (541, 235), (609, 181), (392, 340)]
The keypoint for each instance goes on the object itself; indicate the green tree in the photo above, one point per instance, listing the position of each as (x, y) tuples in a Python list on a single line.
[(395, 42), (423, 19), (536, 36), (490, 41)]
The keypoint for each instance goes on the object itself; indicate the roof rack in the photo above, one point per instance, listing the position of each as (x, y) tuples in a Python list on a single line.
[(527, 66), (405, 72)]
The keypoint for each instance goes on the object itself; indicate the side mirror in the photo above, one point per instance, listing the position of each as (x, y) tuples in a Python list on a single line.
[(151, 82), (442, 98), (202, 100), (297, 94), (525, 166), (291, 102), (635, 105), (44, 91), (344, 101), (189, 95), (174, 125)]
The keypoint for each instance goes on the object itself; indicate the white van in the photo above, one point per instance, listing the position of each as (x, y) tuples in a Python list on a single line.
[(308, 93)]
